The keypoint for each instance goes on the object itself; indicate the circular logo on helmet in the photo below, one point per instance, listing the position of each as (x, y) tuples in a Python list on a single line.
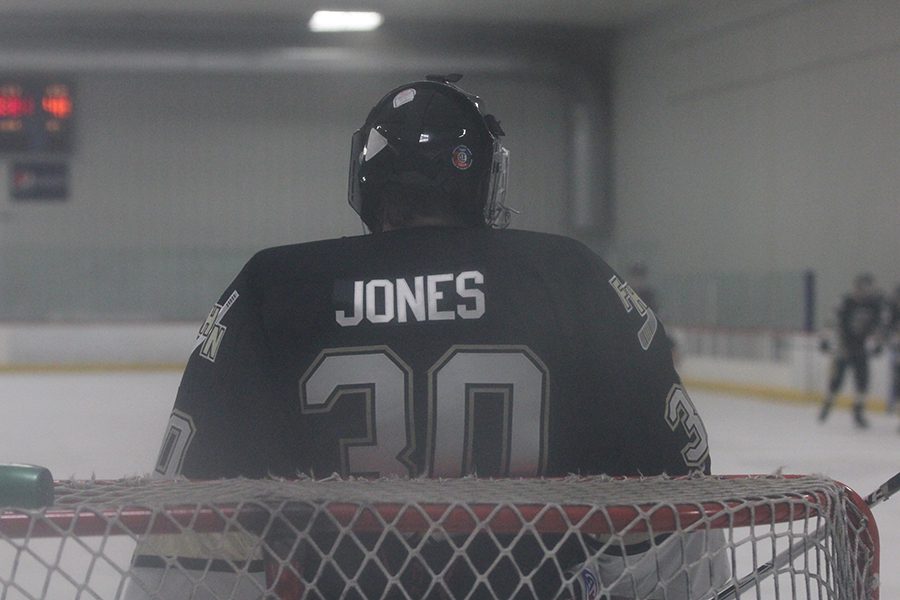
[(462, 157)]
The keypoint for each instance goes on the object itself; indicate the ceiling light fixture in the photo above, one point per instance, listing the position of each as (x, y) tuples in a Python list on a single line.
[(339, 20)]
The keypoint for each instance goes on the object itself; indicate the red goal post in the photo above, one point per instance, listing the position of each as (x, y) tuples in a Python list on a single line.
[(411, 538)]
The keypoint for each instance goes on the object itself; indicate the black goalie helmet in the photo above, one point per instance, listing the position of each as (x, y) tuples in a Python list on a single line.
[(431, 134)]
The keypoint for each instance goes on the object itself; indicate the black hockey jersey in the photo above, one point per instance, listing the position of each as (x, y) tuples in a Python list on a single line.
[(431, 351), (893, 316), (858, 319)]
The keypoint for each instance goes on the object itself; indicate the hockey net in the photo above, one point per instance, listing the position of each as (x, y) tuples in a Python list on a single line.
[(595, 537)]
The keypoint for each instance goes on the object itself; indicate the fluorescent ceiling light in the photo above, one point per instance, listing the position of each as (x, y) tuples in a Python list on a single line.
[(339, 20)]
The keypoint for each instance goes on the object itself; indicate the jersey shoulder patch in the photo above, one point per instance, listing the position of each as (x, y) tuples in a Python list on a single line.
[(633, 303)]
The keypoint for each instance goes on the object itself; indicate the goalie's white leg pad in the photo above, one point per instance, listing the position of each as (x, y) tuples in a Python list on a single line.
[(682, 567)]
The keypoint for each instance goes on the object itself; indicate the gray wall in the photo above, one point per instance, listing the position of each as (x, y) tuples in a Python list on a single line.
[(759, 136), (178, 178)]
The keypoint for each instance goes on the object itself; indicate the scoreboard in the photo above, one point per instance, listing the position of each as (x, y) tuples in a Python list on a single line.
[(35, 116)]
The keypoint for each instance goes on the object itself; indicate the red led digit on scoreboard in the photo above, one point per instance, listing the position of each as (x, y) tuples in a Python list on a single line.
[(14, 104), (57, 102)]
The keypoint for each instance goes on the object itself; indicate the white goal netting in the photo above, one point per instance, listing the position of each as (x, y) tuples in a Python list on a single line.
[(594, 537)]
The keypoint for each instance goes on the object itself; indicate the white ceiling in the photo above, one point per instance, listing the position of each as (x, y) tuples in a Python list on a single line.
[(587, 13)]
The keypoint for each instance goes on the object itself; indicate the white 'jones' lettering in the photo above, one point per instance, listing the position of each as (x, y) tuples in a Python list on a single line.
[(440, 297)]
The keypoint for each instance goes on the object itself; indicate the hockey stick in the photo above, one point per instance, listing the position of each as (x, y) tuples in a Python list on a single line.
[(884, 491)]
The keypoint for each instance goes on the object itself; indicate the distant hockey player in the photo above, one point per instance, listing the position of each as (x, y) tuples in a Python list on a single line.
[(440, 345), (893, 337), (857, 329)]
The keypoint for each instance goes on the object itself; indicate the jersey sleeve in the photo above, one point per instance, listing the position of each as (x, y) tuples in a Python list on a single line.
[(226, 421), (671, 434), (657, 426)]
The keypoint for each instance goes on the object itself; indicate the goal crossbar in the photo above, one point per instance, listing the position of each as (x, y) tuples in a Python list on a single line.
[(143, 506)]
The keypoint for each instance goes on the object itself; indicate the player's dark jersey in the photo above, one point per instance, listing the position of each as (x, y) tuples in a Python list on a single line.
[(893, 316), (858, 319), (431, 351)]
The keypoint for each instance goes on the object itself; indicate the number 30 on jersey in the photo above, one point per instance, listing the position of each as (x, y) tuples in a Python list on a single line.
[(455, 383)]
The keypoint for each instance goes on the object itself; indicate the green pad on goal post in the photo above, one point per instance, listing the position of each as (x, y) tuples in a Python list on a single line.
[(25, 486)]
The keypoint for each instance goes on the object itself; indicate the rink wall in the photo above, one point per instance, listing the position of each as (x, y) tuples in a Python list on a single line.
[(780, 365), (757, 134), (114, 346)]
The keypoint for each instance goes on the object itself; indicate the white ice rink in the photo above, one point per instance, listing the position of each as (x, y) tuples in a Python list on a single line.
[(110, 425)]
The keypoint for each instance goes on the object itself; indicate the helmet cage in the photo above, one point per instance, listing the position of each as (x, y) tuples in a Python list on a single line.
[(496, 213)]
